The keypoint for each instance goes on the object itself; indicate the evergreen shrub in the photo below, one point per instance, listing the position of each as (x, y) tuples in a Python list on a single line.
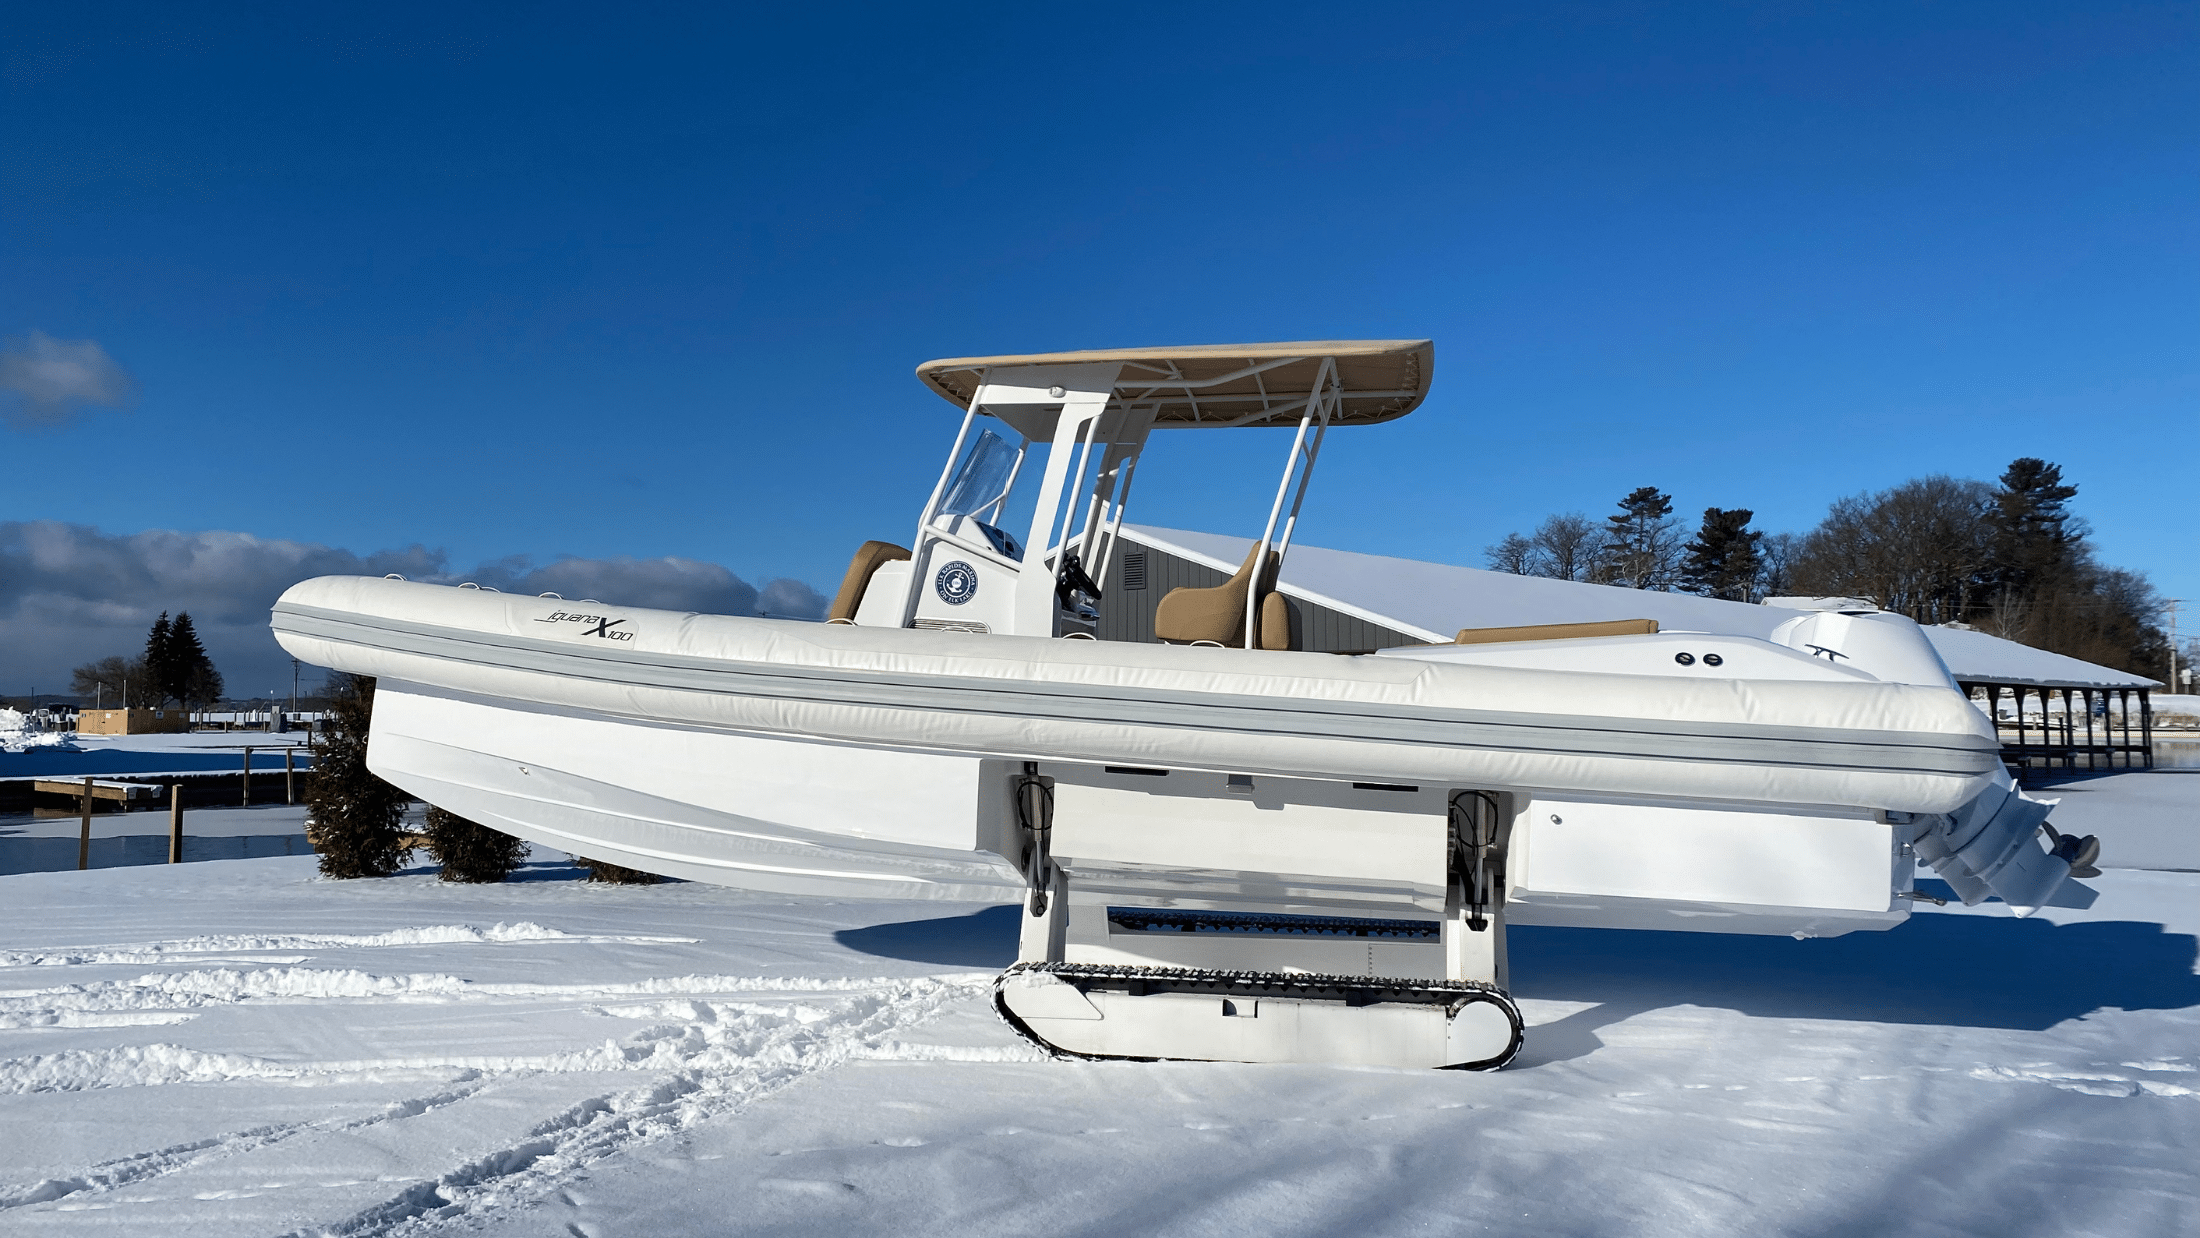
[(470, 851), (354, 814), (598, 870)]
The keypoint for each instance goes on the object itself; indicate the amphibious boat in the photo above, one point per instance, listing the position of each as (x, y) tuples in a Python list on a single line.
[(1225, 847)]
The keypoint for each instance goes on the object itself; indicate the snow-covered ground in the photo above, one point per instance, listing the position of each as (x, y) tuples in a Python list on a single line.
[(238, 1047), (2180, 708), (196, 752)]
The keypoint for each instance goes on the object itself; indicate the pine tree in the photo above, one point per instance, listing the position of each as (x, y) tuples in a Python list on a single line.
[(2034, 542), (196, 683), (354, 813), (1641, 550), (469, 851), (1722, 560), (160, 658)]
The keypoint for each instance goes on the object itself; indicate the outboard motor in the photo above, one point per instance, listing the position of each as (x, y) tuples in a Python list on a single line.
[(1989, 847)]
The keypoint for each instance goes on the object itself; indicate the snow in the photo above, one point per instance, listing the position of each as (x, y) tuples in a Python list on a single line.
[(1432, 601), (141, 756), (240, 1047), (18, 734), (2144, 819)]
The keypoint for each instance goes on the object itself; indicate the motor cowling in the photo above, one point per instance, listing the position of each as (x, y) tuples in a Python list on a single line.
[(1888, 647), (1991, 846)]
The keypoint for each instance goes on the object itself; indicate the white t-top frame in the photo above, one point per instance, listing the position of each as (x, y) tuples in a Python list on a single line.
[(1095, 419)]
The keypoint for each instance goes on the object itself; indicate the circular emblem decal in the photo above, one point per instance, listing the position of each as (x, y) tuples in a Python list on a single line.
[(957, 583)]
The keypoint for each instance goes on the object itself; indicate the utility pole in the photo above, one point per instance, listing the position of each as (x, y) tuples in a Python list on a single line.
[(2173, 603)]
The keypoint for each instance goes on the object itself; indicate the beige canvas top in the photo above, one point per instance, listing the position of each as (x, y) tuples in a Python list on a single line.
[(1382, 379)]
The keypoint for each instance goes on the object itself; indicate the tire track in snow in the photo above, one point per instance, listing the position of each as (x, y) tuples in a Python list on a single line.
[(171, 997), (730, 1055), (498, 934), (144, 1166), (2098, 1082)]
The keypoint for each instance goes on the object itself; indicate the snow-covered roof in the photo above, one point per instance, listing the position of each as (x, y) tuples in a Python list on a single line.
[(1977, 657), (1434, 600)]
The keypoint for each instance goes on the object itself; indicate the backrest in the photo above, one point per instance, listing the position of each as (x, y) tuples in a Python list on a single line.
[(1279, 622), (1216, 614), (867, 560)]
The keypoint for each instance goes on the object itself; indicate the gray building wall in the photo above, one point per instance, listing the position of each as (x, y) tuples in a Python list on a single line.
[(1141, 576)]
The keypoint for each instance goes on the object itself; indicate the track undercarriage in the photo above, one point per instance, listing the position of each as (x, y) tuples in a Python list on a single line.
[(1230, 971)]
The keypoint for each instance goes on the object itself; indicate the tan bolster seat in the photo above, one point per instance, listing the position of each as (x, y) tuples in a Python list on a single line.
[(1279, 622), (870, 556), (1216, 614), (1557, 631)]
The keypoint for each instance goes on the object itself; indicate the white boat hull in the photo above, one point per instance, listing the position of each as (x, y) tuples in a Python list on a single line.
[(839, 820), (789, 816), (1299, 813)]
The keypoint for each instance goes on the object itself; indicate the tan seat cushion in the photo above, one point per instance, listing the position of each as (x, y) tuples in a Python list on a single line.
[(1557, 631), (1216, 614), (1279, 622), (869, 556)]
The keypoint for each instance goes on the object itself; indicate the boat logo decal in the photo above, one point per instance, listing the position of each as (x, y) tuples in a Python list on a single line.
[(957, 583), (603, 626)]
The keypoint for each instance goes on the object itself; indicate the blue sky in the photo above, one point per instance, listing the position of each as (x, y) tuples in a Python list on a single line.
[(635, 281)]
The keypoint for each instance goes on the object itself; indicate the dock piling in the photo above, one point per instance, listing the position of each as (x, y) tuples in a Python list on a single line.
[(84, 839)]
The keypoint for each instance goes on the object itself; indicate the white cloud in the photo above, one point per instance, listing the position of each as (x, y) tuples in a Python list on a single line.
[(45, 381), (666, 584), (70, 594), (791, 599)]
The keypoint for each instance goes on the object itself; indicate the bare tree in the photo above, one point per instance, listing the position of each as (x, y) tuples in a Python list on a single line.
[(104, 683), (1923, 548), (2105, 615), (2011, 559), (1516, 554), (1567, 546), (1776, 559)]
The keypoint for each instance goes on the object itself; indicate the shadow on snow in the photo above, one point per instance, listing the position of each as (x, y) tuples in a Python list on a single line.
[(1934, 969), (985, 938), (1942, 970)]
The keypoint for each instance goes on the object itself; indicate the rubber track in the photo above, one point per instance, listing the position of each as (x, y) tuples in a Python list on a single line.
[(1314, 986)]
